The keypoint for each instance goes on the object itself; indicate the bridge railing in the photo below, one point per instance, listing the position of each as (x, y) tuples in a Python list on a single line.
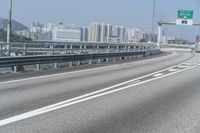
[(17, 63), (69, 52), (24, 49), (185, 46)]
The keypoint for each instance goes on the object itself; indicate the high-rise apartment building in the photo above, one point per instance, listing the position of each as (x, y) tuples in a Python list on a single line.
[(102, 32), (105, 32), (108, 33), (122, 31), (84, 34), (94, 32), (69, 33), (133, 35)]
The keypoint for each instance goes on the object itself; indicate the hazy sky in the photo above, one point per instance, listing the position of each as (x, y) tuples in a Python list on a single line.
[(136, 13)]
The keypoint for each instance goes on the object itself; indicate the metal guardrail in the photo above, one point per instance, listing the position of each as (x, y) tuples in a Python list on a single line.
[(46, 53), (24, 49), (30, 60), (177, 46), (16, 62)]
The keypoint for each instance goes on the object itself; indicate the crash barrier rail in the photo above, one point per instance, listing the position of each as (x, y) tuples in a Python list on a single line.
[(52, 48), (17, 63)]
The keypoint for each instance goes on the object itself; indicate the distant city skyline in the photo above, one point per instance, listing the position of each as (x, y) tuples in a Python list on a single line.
[(122, 13), (94, 32)]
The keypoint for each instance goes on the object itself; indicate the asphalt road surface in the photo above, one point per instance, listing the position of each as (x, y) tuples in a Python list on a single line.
[(159, 95)]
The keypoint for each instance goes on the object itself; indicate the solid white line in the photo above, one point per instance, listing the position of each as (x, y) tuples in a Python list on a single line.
[(55, 107), (84, 98), (191, 64), (79, 71)]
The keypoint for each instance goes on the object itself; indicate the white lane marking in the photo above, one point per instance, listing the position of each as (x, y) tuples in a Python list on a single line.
[(79, 71), (158, 75), (74, 101), (134, 82), (183, 66), (173, 70), (190, 64)]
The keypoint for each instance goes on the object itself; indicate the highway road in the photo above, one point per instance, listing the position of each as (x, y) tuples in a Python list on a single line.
[(158, 95)]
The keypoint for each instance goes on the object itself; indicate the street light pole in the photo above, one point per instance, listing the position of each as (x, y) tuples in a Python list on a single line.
[(153, 20), (9, 23), (9, 27)]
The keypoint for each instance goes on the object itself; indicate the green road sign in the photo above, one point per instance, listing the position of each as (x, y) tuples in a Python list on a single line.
[(185, 14)]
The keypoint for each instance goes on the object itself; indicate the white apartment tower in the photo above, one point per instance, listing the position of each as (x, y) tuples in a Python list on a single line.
[(94, 32), (108, 32), (102, 32)]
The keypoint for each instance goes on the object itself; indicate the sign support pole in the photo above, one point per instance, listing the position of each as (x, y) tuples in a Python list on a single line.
[(9, 28), (159, 35)]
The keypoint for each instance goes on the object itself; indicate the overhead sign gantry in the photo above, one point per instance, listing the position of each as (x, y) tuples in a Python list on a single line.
[(184, 17)]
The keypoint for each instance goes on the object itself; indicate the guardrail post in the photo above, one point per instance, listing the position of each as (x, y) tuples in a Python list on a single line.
[(90, 62), (71, 48), (133, 48), (15, 69), (8, 49), (1, 49), (70, 64), (97, 51), (24, 48), (99, 61), (55, 65), (37, 66), (85, 48), (108, 50), (118, 48), (65, 49), (107, 59), (52, 48), (78, 63), (81, 49)]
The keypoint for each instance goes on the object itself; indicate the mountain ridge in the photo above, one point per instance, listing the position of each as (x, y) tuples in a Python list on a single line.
[(16, 26)]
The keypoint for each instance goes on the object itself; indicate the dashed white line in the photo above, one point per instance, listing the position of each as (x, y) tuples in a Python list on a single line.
[(173, 70), (74, 72), (158, 75), (183, 66), (90, 96)]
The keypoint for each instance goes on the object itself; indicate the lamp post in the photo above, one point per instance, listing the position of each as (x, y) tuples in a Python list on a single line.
[(153, 20), (9, 26)]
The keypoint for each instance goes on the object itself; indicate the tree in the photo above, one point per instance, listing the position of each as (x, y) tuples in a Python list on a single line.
[(14, 37)]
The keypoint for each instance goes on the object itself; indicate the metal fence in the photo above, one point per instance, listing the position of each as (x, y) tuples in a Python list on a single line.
[(24, 49), (18, 55)]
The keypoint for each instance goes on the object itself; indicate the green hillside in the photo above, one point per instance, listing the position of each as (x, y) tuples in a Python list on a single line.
[(16, 26), (14, 37)]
